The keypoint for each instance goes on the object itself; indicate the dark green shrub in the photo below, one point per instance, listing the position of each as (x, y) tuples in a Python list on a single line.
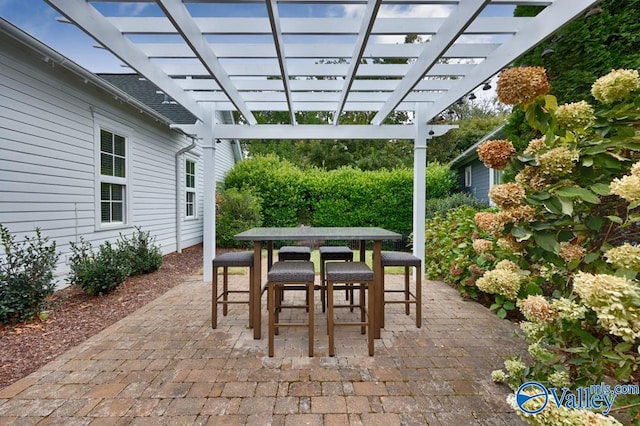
[(236, 211), (441, 180), (98, 273), (278, 183), (458, 199), (26, 276), (142, 254)]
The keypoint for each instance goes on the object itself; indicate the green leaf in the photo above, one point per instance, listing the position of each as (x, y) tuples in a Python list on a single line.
[(595, 222), (502, 313), (553, 205), (567, 206), (601, 189), (546, 240), (587, 161), (623, 347), (509, 305), (590, 258), (521, 233), (582, 193), (615, 219)]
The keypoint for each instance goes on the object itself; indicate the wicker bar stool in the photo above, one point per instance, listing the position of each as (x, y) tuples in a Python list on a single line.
[(283, 275), (406, 260), (225, 261), (360, 276), (332, 253), (294, 253)]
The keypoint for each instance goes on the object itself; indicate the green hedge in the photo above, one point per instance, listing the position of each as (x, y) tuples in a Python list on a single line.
[(343, 197)]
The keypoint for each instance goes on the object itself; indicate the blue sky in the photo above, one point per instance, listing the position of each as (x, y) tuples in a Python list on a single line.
[(37, 18)]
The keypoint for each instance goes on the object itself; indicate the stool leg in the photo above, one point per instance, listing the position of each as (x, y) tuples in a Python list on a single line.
[(310, 321), (323, 283), (251, 297), (406, 290), (272, 318), (370, 314), (361, 299), (330, 317), (214, 299), (418, 297), (382, 301), (225, 290)]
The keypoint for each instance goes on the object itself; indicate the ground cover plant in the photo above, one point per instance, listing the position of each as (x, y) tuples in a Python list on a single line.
[(563, 241)]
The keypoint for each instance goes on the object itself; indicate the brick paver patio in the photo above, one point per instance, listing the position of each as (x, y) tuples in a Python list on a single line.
[(164, 364)]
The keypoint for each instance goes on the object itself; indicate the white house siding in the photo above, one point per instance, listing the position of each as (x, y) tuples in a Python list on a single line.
[(47, 158)]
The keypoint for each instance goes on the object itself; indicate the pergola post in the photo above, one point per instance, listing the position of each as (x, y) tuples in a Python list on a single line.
[(419, 182), (209, 196)]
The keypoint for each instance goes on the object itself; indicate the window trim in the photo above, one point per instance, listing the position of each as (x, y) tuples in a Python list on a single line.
[(468, 176), (192, 190), (109, 125)]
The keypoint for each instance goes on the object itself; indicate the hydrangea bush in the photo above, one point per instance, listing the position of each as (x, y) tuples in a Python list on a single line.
[(570, 225)]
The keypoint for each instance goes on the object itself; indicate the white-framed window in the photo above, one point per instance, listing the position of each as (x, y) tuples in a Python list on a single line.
[(113, 177), (112, 173), (468, 174), (190, 189)]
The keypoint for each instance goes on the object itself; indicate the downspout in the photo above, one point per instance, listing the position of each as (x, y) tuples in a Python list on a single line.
[(178, 193)]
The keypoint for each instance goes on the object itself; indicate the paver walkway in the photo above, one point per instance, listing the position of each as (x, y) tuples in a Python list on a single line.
[(164, 364)]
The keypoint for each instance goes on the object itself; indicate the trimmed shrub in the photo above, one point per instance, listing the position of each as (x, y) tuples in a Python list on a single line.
[(279, 184), (143, 256), (26, 276), (441, 180), (441, 206), (98, 273), (237, 210)]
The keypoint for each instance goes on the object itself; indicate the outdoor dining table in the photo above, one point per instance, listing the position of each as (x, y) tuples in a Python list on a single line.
[(318, 234)]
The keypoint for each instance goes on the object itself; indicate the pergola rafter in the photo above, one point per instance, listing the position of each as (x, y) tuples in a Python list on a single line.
[(334, 56)]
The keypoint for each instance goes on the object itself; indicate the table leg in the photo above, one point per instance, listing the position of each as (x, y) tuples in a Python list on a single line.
[(377, 286), (257, 290), (363, 250)]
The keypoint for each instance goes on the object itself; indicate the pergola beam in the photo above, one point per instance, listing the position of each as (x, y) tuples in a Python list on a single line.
[(358, 51), (189, 30), (455, 25), (98, 27), (319, 26), (274, 20), (546, 23), (328, 132)]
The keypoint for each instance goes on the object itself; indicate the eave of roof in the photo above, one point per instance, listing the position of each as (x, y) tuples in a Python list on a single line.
[(49, 54)]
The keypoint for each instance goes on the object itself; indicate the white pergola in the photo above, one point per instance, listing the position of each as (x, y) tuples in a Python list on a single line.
[(317, 55)]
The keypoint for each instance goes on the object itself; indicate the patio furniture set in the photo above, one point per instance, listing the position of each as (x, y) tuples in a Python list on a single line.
[(294, 270)]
